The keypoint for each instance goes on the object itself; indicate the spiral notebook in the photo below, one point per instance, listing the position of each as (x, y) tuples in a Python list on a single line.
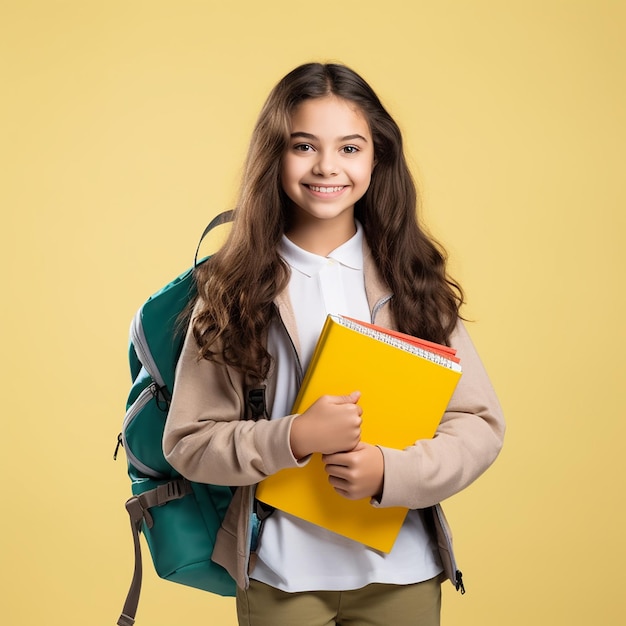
[(405, 383)]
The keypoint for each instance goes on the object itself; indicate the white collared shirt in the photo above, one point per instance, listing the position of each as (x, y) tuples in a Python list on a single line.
[(295, 555), (325, 285)]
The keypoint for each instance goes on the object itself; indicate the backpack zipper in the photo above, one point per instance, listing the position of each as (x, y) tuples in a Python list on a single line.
[(140, 343), (147, 394)]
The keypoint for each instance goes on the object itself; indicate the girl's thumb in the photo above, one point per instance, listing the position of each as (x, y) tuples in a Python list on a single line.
[(354, 397)]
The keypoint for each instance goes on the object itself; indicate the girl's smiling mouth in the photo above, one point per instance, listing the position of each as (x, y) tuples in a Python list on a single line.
[(326, 189)]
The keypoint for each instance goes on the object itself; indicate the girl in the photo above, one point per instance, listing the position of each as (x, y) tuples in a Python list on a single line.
[(326, 223)]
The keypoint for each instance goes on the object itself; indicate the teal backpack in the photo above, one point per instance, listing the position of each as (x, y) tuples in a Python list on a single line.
[(179, 518)]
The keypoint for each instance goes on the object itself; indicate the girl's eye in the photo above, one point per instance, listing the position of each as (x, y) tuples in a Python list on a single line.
[(303, 147), (350, 149)]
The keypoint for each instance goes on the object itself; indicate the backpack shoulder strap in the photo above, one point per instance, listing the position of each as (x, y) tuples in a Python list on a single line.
[(138, 508)]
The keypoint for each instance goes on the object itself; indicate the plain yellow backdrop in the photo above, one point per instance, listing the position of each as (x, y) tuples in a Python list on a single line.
[(123, 129)]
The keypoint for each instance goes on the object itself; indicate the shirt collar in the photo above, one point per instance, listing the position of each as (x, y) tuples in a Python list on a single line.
[(349, 254)]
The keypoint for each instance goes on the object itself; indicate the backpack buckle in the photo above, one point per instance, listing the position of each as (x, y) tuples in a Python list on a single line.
[(172, 490), (257, 408)]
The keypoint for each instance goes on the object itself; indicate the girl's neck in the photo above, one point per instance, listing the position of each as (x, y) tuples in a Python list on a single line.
[(321, 237)]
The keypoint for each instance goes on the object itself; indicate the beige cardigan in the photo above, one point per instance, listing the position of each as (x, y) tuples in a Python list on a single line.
[(208, 440)]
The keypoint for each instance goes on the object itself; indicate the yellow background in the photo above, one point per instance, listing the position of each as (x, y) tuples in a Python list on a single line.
[(123, 128)]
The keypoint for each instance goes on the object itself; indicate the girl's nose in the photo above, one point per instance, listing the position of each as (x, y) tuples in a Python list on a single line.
[(325, 165)]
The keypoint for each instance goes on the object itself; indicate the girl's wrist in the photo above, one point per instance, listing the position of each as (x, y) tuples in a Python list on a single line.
[(298, 438)]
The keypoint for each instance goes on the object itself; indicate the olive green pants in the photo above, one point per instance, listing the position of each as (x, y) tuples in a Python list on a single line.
[(374, 605)]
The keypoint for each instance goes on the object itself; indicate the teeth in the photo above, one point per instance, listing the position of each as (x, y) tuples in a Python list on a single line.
[(325, 189)]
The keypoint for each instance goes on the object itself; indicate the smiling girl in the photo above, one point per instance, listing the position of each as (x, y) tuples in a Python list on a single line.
[(326, 223)]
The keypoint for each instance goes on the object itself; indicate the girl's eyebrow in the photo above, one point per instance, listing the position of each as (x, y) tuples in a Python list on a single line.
[(314, 138)]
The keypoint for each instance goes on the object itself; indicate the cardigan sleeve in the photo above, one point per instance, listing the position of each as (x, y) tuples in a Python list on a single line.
[(466, 443), (206, 438)]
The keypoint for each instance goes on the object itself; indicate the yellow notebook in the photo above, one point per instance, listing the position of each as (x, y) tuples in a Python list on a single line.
[(405, 389)]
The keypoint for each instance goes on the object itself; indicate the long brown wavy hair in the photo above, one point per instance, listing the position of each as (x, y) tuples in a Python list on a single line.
[(237, 286)]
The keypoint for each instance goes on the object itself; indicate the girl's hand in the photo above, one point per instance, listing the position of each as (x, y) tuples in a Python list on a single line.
[(356, 474), (331, 424)]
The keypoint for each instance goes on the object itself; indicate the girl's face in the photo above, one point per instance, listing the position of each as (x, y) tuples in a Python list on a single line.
[(328, 163)]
